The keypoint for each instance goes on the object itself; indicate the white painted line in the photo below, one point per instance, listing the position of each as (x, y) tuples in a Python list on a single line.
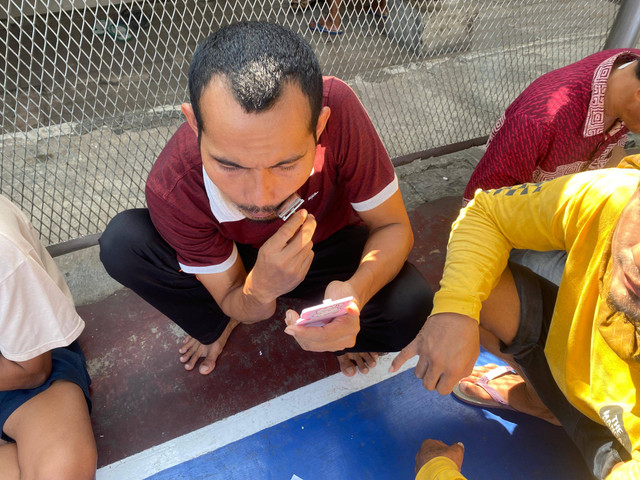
[(244, 424)]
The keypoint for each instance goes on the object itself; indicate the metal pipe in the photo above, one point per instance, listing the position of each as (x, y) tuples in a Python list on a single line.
[(438, 151), (73, 245), (625, 30)]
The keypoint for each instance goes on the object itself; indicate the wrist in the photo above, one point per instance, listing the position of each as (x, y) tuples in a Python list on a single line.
[(258, 296)]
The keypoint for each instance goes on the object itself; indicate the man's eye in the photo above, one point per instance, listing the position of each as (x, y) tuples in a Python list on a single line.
[(229, 168), (288, 166)]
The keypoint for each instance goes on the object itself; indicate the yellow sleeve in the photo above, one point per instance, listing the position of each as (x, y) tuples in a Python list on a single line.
[(440, 468), (537, 216), (626, 471)]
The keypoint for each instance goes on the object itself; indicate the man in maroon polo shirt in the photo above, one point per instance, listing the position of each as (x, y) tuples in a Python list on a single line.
[(211, 252)]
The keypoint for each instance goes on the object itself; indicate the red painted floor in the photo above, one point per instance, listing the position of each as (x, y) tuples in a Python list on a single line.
[(142, 396)]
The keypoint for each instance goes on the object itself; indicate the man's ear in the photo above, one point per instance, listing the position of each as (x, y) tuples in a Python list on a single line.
[(187, 110), (325, 113)]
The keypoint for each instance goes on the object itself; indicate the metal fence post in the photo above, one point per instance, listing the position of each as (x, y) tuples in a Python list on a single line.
[(626, 27)]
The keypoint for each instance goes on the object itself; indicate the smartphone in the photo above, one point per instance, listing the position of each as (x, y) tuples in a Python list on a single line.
[(290, 206), (325, 312)]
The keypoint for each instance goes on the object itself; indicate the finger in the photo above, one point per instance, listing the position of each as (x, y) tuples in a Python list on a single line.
[(306, 230), (431, 377), (285, 233), (457, 453), (445, 384), (291, 317), (405, 354), (421, 367)]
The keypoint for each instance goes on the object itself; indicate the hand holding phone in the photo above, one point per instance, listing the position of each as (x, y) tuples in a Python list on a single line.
[(323, 313)]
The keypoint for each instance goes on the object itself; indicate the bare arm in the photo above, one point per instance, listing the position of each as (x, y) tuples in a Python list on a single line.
[(386, 250), (24, 375), (283, 262)]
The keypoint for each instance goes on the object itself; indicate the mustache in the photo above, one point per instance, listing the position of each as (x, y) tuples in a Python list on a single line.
[(258, 210)]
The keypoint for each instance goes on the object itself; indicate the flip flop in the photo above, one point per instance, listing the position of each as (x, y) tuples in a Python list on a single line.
[(100, 26), (119, 31), (322, 29), (497, 400)]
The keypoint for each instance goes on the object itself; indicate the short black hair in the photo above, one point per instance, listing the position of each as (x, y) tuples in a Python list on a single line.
[(256, 59)]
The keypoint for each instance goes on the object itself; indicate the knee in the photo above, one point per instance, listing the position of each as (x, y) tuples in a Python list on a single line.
[(412, 296), (69, 462), (119, 240)]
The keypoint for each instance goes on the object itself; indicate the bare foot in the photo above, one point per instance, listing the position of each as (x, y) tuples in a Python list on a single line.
[(519, 395), (192, 350), (350, 363)]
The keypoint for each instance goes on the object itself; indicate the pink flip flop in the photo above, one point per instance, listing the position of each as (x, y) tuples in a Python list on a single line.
[(483, 382)]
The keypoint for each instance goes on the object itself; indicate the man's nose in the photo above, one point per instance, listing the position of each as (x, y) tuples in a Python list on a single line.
[(263, 190)]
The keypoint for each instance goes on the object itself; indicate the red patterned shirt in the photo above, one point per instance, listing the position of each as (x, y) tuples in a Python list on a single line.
[(352, 173), (554, 128)]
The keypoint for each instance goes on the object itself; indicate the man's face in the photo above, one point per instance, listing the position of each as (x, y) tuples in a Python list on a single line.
[(624, 293), (256, 159)]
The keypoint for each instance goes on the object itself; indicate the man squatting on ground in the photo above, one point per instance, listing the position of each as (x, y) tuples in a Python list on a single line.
[(576, 344), (44, 384), (210, 251), (568, 120)]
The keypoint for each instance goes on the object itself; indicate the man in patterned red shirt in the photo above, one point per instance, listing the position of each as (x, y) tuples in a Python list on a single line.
[(211, 252), (566, 121)]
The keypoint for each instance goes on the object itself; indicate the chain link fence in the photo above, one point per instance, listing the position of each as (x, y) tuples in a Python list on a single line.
[(91, 89)]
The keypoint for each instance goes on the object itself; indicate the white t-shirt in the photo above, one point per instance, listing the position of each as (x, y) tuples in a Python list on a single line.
[(37, 313)]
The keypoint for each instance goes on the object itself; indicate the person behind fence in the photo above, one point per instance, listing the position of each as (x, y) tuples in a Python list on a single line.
[(577, 344), (210, 251), (44, 384)]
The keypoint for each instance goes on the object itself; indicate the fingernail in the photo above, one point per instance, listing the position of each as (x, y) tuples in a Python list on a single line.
[(461, 444), (289, 332), (350, 370)]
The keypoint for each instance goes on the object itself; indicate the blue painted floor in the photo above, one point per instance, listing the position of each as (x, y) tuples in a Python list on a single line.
[(376, 432)]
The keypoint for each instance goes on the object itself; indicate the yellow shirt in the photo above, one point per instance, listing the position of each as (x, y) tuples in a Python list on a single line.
[(592, 366), (440, 468)]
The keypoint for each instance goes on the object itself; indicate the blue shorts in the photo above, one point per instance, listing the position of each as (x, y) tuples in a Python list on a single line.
[(67, 363)]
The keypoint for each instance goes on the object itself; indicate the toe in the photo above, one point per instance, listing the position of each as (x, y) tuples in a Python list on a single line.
[(207, 366)]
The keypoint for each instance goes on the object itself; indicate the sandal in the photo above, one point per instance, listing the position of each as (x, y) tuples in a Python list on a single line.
[(496, 401)]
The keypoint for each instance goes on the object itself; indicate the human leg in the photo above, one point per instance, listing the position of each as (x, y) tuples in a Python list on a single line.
[(137, 256), (524, 350), (332, 23), (53, 435), (50, 423)]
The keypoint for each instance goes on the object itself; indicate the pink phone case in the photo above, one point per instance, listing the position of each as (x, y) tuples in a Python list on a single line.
[(325, 312)]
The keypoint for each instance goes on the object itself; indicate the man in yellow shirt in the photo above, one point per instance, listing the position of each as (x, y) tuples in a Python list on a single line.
[(577, 345)]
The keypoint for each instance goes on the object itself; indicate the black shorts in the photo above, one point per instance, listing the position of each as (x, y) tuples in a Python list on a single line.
[(67, 363), (599, 447)]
